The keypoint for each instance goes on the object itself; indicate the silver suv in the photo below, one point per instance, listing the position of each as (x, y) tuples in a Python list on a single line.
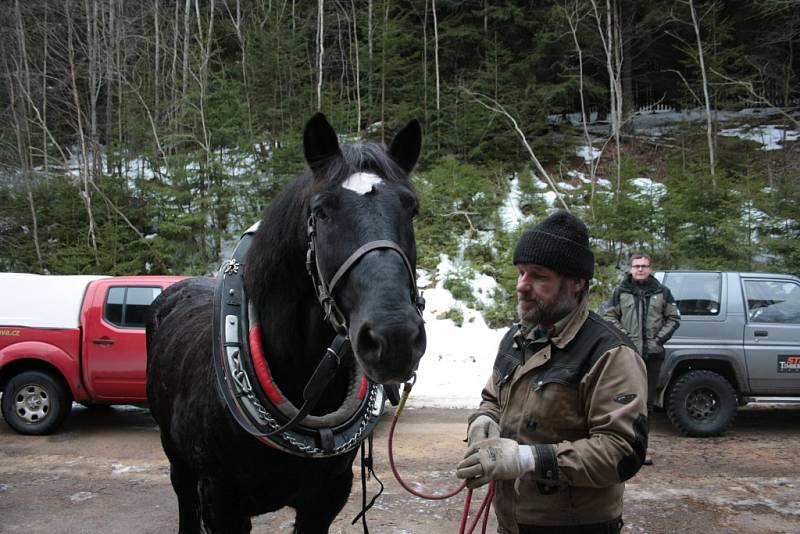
[(738, 342)]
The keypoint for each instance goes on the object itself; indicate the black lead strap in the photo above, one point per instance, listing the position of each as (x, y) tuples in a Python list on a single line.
[(367, 470), (323, 374)]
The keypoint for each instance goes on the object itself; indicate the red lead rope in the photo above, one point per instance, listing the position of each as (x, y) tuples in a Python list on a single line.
[(483, 511)]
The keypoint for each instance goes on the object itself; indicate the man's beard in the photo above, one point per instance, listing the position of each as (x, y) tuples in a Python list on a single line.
[(547, 312)]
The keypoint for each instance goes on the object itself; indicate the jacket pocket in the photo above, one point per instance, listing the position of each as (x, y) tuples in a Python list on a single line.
[(554, 404)]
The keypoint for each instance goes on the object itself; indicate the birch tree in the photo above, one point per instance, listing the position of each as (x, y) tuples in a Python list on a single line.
[(320, 50), (573, 17), (707, 101), (84, 169), (609, 36)]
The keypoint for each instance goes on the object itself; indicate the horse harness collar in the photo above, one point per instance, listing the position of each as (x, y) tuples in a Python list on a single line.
[(244, 379)]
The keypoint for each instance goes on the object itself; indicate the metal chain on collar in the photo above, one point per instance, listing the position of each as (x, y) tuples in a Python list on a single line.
[(240, 376)]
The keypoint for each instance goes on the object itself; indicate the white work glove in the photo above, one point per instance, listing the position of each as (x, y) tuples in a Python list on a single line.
[(483, 427), (495, 459)]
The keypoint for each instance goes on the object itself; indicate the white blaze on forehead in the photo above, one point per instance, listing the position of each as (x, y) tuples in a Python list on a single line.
[(362, 182)]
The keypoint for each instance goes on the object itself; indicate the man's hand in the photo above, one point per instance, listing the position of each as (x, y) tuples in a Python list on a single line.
[(495, 459), (483, 427)]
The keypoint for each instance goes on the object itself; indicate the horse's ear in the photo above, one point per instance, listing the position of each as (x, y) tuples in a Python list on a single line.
[(406, 146), (319, 142)]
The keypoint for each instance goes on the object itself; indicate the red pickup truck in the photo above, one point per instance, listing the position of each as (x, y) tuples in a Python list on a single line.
[(71, 338)]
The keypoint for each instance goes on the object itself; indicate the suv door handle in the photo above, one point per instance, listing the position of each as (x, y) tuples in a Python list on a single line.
[(103, 341), (760, 333)]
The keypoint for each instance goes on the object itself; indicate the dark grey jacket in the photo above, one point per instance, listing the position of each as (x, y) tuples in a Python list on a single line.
[(647, 313)]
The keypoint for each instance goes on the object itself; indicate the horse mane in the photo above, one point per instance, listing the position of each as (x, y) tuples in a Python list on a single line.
[(279, 247)]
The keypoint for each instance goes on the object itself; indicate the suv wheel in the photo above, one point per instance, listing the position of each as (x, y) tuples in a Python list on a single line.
[(701, 404), (35, 403)]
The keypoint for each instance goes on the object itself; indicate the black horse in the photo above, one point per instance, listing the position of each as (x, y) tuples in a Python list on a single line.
[(354, 195)]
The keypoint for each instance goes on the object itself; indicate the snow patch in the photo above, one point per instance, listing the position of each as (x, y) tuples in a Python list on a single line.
[(771, 137), (588, 153), (81, 496)]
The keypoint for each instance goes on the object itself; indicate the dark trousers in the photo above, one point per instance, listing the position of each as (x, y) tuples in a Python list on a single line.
[(609, 527), (653, 364)]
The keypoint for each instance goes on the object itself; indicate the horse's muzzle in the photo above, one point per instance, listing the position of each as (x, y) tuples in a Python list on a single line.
[(389, 351)]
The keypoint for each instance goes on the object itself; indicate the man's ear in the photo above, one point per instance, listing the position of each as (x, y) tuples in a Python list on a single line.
[(577, 285)]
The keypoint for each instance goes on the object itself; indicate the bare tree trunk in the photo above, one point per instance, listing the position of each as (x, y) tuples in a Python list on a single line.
[(92, 50), (344, 93), (85, 173), (157, 57), (185, 65), (109, 43), (357, 70), (19, 106), (119, 46), (45, 55), (608, 38), (425, 62), (436, 55), (204, 42), (174, 71), (573, 19), (237, 25), (383, 70), (320, 52), (370, 29), (709, 118)]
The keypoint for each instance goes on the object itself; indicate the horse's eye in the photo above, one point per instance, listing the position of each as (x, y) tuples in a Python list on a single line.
[(321, 205), (410, 204), (320, 214)]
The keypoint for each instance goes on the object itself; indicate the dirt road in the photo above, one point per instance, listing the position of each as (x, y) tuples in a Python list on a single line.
[(105, 473)]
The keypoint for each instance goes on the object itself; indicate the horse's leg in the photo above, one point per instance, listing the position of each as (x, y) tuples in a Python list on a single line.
[(317, 509), (221, 509), (184, 483)]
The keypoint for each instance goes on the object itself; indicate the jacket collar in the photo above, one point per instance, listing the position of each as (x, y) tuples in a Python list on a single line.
[(574, 322), (650, 286)]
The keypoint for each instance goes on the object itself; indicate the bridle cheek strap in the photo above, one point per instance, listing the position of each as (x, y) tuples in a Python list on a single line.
[(324, 291)]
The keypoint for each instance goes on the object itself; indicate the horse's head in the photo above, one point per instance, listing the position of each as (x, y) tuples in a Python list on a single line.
[(360, 213)]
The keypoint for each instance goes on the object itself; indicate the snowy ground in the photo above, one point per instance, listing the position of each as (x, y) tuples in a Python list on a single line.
[(458, 360)]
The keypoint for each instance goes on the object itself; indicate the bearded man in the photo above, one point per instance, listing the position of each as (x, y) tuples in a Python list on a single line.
[(563, 418)]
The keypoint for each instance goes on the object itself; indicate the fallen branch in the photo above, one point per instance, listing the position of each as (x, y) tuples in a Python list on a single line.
[(498, 108)]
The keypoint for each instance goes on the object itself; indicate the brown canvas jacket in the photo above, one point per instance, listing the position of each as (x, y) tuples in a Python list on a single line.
[(586, 414)]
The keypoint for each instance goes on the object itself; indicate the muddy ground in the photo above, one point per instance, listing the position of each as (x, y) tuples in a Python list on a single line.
[(105, 473)]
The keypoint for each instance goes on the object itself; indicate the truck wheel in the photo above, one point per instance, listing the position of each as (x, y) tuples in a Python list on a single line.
[(35, 403), (701, 404)]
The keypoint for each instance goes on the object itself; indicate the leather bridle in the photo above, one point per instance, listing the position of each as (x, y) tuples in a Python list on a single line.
[(325, 290)]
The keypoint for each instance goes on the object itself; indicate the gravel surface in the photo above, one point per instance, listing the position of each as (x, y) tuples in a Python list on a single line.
[(105, 472)]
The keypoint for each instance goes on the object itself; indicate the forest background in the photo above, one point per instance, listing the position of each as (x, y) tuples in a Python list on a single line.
[(143, 137)]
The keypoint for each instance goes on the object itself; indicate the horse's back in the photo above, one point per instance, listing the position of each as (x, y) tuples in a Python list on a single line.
[(179, 344)]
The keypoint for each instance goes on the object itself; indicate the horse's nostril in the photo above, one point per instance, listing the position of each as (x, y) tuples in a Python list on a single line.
[(369, 342), (420, 341)]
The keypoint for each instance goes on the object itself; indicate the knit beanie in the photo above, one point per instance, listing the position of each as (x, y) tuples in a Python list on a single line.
[(560, 242)]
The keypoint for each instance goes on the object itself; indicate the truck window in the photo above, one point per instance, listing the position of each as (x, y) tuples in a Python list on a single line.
[(695, 293), (772, 301), (127, 306)]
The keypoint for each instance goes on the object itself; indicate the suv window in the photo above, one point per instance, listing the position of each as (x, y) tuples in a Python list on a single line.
[(127, 306), (695, 293), (772, 301)]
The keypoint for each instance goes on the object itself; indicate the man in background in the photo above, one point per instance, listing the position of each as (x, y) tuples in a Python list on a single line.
[(645, 310)]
